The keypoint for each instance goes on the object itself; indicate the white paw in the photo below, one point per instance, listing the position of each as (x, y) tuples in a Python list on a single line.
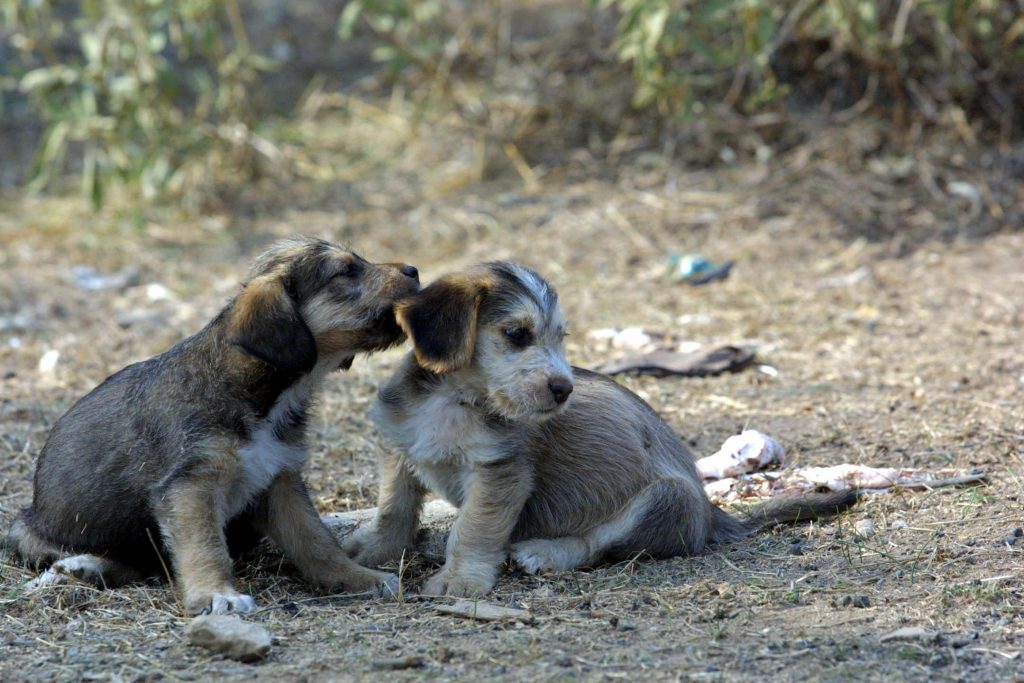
[(548, 555), (84, 567), (230, 604), (459, 585)]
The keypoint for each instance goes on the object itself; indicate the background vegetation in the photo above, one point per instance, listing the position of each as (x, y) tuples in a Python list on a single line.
[(173, 99)]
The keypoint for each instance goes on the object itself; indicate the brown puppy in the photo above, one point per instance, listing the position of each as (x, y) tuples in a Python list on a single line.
[(171, 460), (561, 466)]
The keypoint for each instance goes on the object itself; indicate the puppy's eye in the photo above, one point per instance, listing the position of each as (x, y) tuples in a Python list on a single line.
[(519, 336), (350, 269)]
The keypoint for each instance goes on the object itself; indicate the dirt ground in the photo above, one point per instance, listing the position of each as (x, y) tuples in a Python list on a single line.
[(897, 346)]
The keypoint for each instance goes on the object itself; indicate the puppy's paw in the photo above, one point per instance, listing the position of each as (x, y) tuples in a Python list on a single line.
[(549, 554), (458, 585), (87, 568), (369, 547), (225, 602)]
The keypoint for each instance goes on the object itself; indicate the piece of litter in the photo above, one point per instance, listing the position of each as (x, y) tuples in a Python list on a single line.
[(399, 663), (157, 292), (907, 633), (484, 611), (89, 279), (48, 361), (228, 635), (848, 476), (764, 484), (741, 453), (626, 339), (696, 270), (664, 362)]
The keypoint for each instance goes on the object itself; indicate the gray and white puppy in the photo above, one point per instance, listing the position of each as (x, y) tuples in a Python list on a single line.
[(172, 460), (559, 466)]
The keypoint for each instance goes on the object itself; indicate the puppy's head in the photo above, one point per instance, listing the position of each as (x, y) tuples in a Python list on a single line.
[(307, 299), (500, 326)]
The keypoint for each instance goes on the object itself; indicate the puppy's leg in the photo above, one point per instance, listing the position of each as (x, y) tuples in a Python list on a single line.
[(398, 510), (668, 518), (99, 571), (293, 523), (191, 523), (478, 542)]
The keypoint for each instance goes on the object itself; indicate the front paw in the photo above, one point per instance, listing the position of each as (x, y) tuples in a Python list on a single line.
[(226, 601), (367, 546), (460, 584)]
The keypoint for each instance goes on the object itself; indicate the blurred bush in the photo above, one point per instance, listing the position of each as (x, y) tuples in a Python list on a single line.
[(155, 94), (929, 57), (163, 95)]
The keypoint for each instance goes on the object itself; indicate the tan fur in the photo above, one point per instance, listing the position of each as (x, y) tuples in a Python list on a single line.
[(467, 291), (201, 561), (294, 525), (259, 297)]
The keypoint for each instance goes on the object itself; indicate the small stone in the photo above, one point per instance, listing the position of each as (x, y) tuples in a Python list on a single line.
[(228, 635), (865, 528), (1018, 532), (626, 626), (622, 624), (899, 524), (860, 601), (795, 549)]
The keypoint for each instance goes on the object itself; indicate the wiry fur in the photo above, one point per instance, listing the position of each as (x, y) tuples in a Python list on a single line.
[(599, 477), (172, 460)]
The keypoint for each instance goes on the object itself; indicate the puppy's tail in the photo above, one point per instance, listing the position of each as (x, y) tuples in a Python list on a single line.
[(32, 548), (788, 508)]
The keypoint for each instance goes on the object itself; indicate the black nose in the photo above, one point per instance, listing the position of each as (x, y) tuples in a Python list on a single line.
[(411, 271), (560, 389)]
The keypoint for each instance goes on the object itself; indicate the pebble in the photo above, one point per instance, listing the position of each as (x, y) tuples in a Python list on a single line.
[(228, 635), (622, 624), (865, 528)]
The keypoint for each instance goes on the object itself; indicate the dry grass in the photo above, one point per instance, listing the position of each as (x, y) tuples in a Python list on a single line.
[(915, 362)]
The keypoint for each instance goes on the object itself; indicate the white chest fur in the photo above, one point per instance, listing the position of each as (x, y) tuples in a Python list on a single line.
[(443, 439), (265, 455)]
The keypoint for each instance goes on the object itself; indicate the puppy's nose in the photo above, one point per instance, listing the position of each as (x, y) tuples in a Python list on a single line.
[(411, 271), (560, 388)]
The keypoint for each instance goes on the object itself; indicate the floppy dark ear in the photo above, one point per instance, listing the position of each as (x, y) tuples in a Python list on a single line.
[(441, 321), (265, 323)]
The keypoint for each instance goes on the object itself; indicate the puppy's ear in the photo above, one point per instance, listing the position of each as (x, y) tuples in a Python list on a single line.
[(441, 322), (265, 323)]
